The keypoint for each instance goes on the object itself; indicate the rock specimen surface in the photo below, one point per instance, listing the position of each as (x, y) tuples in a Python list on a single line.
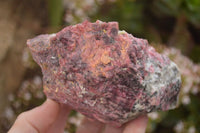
[(104, 73)]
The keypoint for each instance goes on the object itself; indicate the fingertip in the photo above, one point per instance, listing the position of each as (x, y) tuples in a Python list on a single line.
[(112, 129), (51, 103), (90, 126), (137, 125), (59, 124), (142, 118)]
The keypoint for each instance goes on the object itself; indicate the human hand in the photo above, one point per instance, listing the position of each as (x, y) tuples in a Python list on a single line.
[(51, 117)]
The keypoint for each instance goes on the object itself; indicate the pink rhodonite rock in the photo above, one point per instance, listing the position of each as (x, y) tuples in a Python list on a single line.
[(104, 73)]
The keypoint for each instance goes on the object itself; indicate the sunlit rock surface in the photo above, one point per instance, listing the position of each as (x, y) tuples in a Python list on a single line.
[(104, 73)]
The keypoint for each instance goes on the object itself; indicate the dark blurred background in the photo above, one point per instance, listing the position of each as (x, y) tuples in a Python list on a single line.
[(171, 26)]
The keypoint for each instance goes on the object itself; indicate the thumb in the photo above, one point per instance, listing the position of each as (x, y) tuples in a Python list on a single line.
[(136, 126), (37, 120)]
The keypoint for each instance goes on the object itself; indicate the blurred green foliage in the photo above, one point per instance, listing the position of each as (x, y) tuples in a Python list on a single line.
[(195, 56), (56, 11), (188, 8), (129, 14)]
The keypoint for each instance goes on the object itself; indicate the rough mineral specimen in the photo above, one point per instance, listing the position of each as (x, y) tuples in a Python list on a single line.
[(104, 73)]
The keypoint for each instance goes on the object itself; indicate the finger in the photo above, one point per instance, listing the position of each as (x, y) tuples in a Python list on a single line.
[(112, 129), (88, 126), (37, 120), (60, 122), (136, 126)]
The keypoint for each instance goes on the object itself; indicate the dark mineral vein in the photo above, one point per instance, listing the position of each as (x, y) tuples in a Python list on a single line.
[(104, 73)]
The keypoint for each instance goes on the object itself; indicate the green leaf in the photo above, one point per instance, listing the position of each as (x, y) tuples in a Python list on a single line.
[(192, 11), (193, 5)]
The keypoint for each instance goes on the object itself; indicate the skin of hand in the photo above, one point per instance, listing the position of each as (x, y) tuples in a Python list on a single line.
[(51, 117)]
